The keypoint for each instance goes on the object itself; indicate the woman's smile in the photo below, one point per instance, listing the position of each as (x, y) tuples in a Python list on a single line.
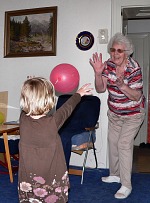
[(118, 58)]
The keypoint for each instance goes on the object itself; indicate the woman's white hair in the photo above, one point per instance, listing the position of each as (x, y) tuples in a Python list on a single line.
[(119, 38)]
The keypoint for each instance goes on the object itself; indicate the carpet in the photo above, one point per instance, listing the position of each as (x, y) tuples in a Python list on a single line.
[(93, 190)]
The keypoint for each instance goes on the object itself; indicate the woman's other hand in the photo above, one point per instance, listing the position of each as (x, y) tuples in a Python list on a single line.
[(119, 82)]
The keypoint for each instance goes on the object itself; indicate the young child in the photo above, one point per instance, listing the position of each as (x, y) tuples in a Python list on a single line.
[(43, 175)]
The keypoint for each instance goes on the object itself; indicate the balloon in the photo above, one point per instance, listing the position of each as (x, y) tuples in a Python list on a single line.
[(65, 78), (2, 118)]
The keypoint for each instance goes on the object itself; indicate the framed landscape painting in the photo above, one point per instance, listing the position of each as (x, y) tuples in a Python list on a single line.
[(30, 32)]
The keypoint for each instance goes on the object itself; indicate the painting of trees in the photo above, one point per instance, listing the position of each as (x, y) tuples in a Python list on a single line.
[(33, 33)]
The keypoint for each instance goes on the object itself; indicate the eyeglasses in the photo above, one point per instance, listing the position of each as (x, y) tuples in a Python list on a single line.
[(120, 51)]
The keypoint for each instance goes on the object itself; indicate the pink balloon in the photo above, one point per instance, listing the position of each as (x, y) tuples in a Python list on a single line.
[(65, 78)]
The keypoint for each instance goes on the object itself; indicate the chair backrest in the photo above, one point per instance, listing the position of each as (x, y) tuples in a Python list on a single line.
[(85, 115)]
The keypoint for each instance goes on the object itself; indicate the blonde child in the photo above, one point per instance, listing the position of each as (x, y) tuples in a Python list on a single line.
[(43, 175)]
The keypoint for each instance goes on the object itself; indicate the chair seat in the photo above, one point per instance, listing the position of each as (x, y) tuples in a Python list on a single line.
[(81, 140), (82, 147)]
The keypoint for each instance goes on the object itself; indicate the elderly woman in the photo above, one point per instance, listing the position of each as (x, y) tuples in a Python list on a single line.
[(121, 75)]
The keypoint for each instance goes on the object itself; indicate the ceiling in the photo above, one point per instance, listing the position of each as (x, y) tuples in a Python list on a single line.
[(135, 13)]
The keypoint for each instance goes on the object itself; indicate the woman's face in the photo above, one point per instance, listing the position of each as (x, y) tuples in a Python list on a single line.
[(118, 54)]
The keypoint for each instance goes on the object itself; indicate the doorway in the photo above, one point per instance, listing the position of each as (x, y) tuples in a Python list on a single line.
[(141, 43), (122, 11), (134, 23)]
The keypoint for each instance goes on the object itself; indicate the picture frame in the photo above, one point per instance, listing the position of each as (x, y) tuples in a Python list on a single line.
[(30, 32)]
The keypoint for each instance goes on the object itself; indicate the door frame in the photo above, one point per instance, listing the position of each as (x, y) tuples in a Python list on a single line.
[(117, 6), (117, 23)]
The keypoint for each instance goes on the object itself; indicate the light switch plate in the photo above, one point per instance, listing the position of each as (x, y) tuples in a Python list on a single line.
[(103, 36)]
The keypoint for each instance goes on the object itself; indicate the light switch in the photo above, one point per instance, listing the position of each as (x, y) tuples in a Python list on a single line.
[(103, 36)]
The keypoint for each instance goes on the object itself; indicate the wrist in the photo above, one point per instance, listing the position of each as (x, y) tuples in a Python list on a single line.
[(98, 74), (122, 87)]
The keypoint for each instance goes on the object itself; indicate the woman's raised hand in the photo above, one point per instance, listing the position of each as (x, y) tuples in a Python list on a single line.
[(96, 63)]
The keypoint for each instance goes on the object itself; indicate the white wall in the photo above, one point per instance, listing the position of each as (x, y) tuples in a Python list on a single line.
[(74, 16)]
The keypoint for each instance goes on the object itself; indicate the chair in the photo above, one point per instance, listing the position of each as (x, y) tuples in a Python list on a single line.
[(83, 120)]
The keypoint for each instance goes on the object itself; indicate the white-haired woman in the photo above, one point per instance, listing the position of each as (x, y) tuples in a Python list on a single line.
[(121, 75)]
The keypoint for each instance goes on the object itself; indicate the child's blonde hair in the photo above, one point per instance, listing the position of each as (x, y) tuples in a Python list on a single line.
[(37, 96)]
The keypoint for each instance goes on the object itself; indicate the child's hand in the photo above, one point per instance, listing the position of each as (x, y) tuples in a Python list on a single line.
[(85, 90)]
